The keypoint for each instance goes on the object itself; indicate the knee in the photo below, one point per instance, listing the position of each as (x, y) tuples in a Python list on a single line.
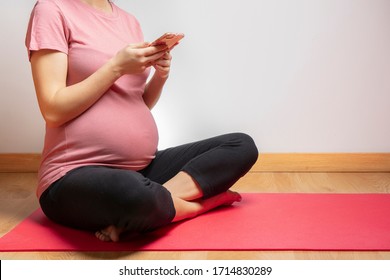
[(154, 210), (144, 197), (247, 149), (248, 146), (148, 207)]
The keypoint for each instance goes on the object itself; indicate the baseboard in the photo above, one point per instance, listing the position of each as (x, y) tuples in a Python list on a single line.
[(19, 162), (287, 162)]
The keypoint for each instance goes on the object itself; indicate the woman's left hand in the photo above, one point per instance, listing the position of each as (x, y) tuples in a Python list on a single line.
[(163, 65)]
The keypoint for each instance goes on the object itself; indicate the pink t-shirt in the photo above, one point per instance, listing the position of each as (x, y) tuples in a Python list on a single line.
[(118, 130)]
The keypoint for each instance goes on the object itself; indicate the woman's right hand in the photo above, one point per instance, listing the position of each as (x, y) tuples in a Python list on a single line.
[(136, 58)]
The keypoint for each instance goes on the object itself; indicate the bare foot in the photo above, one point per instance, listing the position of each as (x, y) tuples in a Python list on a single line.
[(224, 199), (191, 209), (110, 233)]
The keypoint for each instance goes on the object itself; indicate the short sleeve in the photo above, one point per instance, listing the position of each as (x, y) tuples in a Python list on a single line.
[(47, 29)]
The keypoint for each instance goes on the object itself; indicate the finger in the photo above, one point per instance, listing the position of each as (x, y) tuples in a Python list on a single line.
[(152, 50), (161, 68), (139, 45), (155, 58), (163, 62), (167, 56)]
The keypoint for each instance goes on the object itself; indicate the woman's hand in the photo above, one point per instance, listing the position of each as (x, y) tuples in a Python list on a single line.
[(155, 86), (136, 58), (163, 65)]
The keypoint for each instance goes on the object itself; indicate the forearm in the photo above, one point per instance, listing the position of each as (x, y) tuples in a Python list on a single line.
[(72, 101), (153, 90)]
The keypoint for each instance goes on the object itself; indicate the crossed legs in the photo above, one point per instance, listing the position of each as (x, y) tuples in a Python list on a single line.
[(180, 183), (187, 200), (198, 175)]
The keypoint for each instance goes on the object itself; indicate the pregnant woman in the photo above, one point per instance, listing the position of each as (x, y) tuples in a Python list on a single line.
[(101, 170)]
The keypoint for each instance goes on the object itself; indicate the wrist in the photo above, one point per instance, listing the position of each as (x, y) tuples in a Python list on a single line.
[(160, 78), (116, 70)]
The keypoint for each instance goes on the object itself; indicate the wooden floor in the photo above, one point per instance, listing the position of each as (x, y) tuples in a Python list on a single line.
[(17, 200)]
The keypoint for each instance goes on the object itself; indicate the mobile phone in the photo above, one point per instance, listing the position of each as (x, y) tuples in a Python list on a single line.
[(169, 39)]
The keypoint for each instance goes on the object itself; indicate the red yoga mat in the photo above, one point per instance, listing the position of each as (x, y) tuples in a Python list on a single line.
[(260, 222)]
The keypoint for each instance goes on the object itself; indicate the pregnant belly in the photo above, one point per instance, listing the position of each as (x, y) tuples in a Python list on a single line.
[(125, 137)]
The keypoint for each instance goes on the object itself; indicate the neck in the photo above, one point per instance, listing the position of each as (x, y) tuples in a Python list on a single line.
[(103, 5)]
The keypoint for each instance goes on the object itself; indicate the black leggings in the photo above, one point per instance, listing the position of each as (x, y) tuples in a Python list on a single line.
[(94, 197)]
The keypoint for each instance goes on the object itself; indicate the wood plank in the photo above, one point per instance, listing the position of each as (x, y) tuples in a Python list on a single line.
[(323, 162), (269, 162), (314, 182)]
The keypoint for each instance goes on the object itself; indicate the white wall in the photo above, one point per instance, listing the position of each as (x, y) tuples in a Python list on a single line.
[(299, 76)]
